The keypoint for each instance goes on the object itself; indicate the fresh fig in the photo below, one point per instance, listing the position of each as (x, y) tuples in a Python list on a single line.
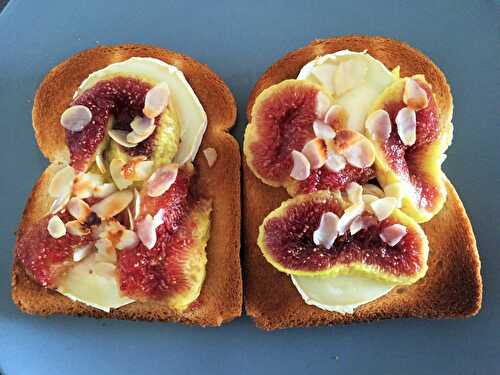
[(289, 117), (288, 239), (412, 152)]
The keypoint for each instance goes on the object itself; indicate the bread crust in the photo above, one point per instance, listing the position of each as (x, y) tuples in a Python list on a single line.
[(452, 286), (221, 295)]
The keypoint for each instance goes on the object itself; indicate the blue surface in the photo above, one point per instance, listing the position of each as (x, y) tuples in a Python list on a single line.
[(239, 41)]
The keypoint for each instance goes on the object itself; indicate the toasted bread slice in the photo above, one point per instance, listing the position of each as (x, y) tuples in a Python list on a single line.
[(221, 295), (452, 286)]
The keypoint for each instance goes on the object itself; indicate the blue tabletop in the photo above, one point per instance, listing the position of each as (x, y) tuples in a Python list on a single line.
[(239, 40)]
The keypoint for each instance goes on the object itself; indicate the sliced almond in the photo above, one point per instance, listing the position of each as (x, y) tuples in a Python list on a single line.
[(76, 228), (301, 167), (84, 184), (158, 218), (137, 204), (56, 227), (103, 190), (162, 179), (322, 130), (76, 117), (211, 156), (129, 219), (368, 199), (81, 252), (146, 232), (323, 103), (115, 169), (143, 125), (113, 204), (360, 223), (336, 117), (127, 239), (120, 137), (414, 96), (373, 190), (383, 207), (134, 137), (335, 162), (351, 213), (156, 100), (326, 233), (406, 121), (354, 192), (105, 250), (99, 160), (361, 154), (60, 203), (143, 169), (79, 209), (349, 74), (378, 124), (392, 234), (62, 182), (315, 151), (395, 190)]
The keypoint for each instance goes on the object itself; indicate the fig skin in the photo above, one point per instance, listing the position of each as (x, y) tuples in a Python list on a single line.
[(426, 164), (337, 203)]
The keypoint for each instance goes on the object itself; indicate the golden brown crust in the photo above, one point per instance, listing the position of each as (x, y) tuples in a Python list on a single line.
[(452, 286), (221, 296)]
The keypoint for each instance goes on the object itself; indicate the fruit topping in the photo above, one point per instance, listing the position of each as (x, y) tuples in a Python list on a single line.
[(79, 209), (354, 192), (335, 162), (62, 182), (336, 117), (76, 117), (356, 149), (81, 252), (146, 231), (411, 155), (121, 137), (288, 241), (161, 180), (56, 227), (315, 151), (392, 234), (379, 125), (84, 184), (301, 166), (211, 156), (113, 204), (383, 207), (414, 96), (322, 130), (142, 125), (102, 191), (156, 100), (77, 228)]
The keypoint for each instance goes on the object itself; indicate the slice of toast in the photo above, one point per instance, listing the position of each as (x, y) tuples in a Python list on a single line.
[(221, 295), (452, 286)]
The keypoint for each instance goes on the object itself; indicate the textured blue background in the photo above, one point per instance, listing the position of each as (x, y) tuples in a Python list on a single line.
[(239, 41)]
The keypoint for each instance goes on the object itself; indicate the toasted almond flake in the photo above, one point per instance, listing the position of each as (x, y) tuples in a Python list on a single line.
[(134, 137), (406, 121), (143, 169), (383, 207), (351, 213), (84, 184), (76, 117), (137, 204), (105, 269), (103, 190), (113, 204), (211, 156), (76, 228), (323, 103), (143, 125), (349, 74), (56, 227), (158, 218), (373, 190), (336, 116), (62, 182), (360, 223), (79, 209), (99, 160), (326, 233), (315, 151), (368, 199), (115, 169), (129, 219), (162, 179), (414, 96), (82, 252), (392, 234), (361, 154), (60, 203), (105, 250), (146, 231), (301, 167), (322, 130), (127, 239), (395, 190), (335, 162), (324, 73), (156, 100), (120, 137), (378, 124), (354, 192)]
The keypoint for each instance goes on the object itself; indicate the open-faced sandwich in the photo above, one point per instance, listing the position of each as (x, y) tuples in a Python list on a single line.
[(138, 214), (348, 215)]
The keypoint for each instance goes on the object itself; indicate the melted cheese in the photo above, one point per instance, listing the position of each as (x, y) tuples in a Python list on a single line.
[(372, 78)]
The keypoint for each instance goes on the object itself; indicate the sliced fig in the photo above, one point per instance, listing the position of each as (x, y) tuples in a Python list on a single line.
[(413, 162), (174, 268), (44, 257), (286, 238), (284, 121)]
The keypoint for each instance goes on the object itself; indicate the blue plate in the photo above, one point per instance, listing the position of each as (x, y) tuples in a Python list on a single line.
[(239, 40)]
